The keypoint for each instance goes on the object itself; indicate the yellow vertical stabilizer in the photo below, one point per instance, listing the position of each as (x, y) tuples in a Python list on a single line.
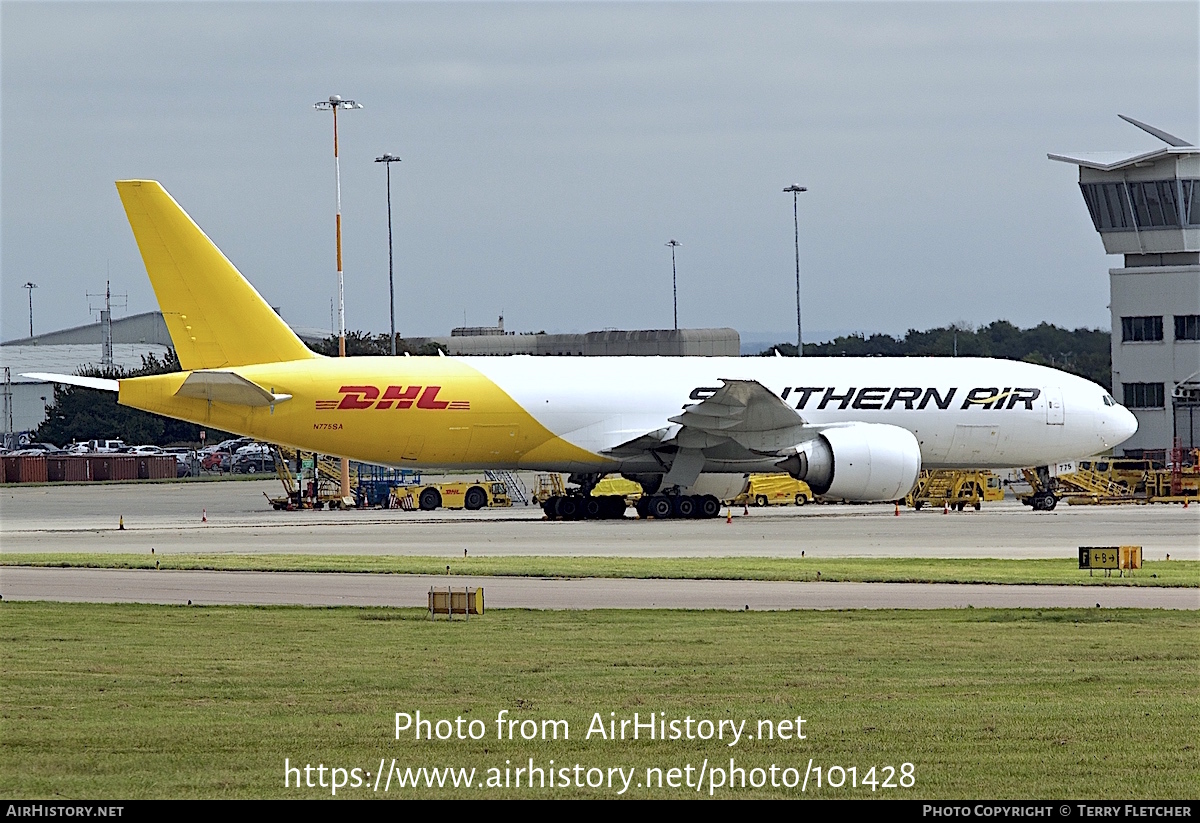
[(215, 317)]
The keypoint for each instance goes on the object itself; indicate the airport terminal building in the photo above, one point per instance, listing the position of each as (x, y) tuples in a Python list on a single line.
[(1146, 207)]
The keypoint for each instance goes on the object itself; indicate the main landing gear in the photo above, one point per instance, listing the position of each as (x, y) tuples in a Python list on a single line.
[(662, 506), (578, 507), (612, 507)]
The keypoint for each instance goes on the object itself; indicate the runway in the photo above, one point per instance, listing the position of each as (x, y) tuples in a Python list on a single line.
[(395, 590), (234, 517), (170, 517)]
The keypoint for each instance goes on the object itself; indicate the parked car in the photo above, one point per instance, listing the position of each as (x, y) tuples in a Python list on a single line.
[(254, 448), (144, 450), (217, 461), (253, 463), (96, 447), (183, 465)]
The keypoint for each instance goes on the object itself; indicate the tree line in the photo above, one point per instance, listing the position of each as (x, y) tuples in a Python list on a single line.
[(1084, 352), (80, 414)]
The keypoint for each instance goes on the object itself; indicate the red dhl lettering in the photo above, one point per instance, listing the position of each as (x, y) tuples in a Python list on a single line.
[(398, 397)]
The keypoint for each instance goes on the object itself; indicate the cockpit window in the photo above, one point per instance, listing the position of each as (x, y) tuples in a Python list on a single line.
[(1108, 400)]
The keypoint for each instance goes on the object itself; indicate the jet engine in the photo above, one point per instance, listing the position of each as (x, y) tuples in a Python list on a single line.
[(863, 462)]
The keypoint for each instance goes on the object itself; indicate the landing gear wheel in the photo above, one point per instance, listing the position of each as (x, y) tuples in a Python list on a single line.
[(709, 506), (593, 508), (549, 507), (684, 506), (642, 507), (660, 507), (1044, 502), (429, 500), (568, 508), (475, 499)]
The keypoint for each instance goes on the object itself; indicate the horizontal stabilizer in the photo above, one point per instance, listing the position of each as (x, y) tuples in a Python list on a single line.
[(100, 383), (227, 387)]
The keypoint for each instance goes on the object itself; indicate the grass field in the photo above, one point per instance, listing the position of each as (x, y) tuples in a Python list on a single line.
[(1176, 573), (126, 701)]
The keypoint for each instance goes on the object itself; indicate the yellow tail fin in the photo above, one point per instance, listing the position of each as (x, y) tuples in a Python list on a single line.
[(215, 317)]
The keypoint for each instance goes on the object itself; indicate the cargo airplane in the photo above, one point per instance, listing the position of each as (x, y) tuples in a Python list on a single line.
[(687, 428)]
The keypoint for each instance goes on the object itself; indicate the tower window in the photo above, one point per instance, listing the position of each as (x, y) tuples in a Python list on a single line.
[(1187, 327), (1146, 204), (1143, 395), (1141, 329)]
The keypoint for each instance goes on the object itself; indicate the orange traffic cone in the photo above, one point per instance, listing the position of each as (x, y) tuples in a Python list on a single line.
[(729, 515), (945, 507), (897, 510), (121, 523), (746, 509), (204, 515)]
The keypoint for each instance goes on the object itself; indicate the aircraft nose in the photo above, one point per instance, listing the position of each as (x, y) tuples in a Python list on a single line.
[(1124, 423)]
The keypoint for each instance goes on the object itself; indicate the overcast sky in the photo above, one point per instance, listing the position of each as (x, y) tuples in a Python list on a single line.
[(550, 150)]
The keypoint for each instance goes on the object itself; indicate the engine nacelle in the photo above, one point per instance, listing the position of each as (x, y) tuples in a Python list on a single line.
[(864, 462)]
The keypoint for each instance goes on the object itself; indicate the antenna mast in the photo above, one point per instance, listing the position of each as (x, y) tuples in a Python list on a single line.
[(106, 344)]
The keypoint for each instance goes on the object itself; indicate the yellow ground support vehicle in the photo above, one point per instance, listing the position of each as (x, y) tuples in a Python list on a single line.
[(956, 489), (470, 496), (320, 479), (1128, 480), (547, 486), (615, 484), (774, 490)]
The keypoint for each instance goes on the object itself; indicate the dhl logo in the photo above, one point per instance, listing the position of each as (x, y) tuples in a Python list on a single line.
[(399, 397)]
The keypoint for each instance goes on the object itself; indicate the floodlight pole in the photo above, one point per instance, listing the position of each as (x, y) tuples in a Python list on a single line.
[(334, 103), (30, 287), (387, 160), (674, 292), (795, 190)]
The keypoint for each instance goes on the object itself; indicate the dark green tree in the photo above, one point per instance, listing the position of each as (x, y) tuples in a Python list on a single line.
[(365, 344), (89, 414), (1085, 352)]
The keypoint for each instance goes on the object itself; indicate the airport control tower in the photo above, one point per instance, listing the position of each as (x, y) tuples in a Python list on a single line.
[(1146, 206)]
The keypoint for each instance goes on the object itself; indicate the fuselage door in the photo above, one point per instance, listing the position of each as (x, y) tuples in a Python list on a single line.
[(1054, 405)]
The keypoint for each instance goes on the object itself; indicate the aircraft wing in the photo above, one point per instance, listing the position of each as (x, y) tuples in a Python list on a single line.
[(741, 420), (744, 412), (644, 443)]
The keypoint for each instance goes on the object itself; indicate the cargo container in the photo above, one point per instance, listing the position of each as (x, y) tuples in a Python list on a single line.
[(113, 467), (67, 469), (24, 469), (156, 466)]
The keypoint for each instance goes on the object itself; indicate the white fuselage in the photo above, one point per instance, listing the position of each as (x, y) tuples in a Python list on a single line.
[(964, 412)]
